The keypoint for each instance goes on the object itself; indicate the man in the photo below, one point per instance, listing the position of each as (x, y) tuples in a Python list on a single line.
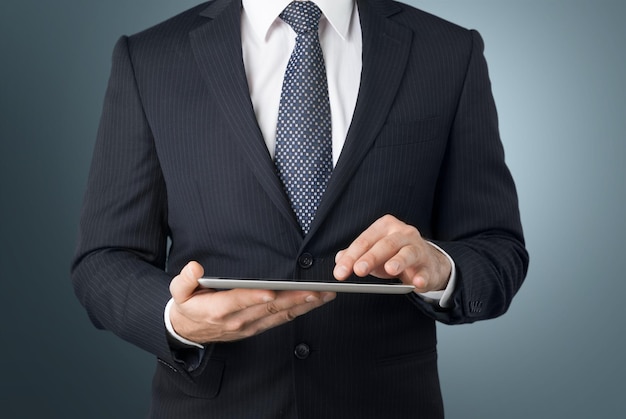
[(186, 182)]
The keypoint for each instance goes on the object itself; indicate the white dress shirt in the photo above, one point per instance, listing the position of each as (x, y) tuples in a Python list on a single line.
[(267, 43)]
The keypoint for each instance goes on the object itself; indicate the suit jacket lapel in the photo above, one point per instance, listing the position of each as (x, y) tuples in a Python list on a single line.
[(386, 48), (217, 48)]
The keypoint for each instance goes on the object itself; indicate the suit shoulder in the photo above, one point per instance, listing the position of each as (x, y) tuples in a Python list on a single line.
[(172, 29), (428, 24), (430, 31)]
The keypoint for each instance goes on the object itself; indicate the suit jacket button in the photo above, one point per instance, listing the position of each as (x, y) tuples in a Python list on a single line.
[(305, 261), (302, 351)]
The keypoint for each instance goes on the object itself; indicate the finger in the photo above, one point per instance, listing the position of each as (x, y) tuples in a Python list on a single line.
[(389, 256), (354, 259), (248, 321), (286, 300), (221, 323), (185, 284), (346, 259), (387, 253), (409, 256), (299, 308), (420, 278), (420, 282), (226, 304), (433, 271), (343, 268)]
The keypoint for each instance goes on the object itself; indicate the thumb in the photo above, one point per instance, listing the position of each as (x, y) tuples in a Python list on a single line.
[(185, 284)]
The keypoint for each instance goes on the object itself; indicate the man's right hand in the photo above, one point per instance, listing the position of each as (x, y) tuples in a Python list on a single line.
[(205, 315)]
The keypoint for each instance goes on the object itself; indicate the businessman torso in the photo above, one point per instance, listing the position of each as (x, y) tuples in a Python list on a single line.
[(192, 165)]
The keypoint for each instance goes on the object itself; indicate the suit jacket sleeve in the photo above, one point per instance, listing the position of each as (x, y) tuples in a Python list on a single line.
[(477, 219), (118, 270)]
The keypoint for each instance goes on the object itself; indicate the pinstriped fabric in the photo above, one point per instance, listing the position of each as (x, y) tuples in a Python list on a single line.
[(179, 154), (235, 104), (120, 180)]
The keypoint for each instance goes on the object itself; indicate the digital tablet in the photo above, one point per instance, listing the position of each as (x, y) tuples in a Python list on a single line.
[(283, 285)]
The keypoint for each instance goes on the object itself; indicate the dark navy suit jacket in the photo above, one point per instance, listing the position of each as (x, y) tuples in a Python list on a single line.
[(180, 155)]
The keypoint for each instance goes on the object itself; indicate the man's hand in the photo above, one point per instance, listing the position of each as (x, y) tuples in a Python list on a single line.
[(390, 248), (205, 315)]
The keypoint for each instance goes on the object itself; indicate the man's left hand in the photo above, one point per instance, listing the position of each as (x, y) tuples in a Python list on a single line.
[(390, 248)]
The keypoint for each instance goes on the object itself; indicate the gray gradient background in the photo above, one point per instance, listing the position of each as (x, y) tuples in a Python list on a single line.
[(558, 71)]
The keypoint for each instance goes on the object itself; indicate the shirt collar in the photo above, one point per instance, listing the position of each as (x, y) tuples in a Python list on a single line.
[(262, 13)]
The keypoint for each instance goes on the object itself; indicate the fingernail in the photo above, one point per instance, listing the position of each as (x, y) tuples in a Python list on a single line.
[(419, 282), (394, 267), (341, 271), (310, 298), (329, 297), (362, 266)]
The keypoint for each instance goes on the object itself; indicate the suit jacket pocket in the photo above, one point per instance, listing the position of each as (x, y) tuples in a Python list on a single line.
[(204, 382), (395, 133), (418, 357)]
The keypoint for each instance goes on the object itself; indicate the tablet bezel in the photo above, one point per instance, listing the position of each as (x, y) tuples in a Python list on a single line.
[(285, 285)]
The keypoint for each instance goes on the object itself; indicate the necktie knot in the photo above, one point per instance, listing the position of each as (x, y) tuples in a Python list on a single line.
[(302, 16)]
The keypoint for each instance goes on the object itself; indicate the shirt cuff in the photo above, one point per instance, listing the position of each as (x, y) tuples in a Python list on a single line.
[(170, 328), (443, 297)]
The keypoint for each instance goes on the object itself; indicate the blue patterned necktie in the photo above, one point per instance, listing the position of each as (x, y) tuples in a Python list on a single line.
[(303, 134)]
